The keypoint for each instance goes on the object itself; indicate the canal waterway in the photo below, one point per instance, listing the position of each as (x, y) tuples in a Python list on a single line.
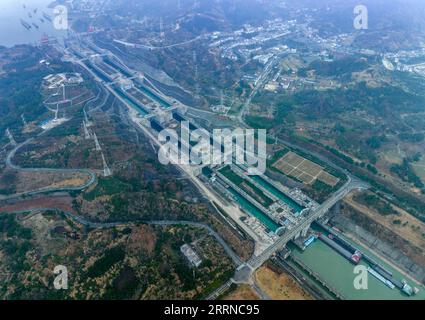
[(154, 96), (338, 272), (280, 195), (251, 209)]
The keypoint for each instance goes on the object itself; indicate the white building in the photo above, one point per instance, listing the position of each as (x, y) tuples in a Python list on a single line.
[(191, 255)]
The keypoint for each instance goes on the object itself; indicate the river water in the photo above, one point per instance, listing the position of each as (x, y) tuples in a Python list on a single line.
[(339, 273), (251, 209), (12, 32)]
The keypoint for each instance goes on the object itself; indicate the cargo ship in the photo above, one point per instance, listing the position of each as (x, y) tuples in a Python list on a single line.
[(353, 258), (388, 283), (355, 255), (45, 39), (47, 17), (309, 241), (387, 275), (26, 24), (382, 271), (345, 244), (407, 289), (377, 270)]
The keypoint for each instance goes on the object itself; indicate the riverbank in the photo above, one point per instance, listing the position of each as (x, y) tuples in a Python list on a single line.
[(355, 239), (338, 273)]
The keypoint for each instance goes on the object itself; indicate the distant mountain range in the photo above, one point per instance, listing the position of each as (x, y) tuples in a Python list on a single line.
[(394, 21)]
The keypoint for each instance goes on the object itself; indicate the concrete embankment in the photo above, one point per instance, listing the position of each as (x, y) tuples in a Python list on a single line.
[(385, 249)]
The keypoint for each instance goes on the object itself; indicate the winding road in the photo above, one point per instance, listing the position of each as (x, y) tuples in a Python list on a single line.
[(107, 225), (10, 164), (90, 173)]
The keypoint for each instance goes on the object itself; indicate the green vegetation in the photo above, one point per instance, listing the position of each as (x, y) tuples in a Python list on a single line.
[(283, 107), (11, 228), (72, 128), (9, 179), (247, 186), (407, 173), (260, 122), (375, 202), (126, 262), (341, 68), (20, 87), (412, 137), (107, 186), (124, 285), (320, 191), (232, 176), (277, 156), (375, 142), (15, 243), (102, 265)]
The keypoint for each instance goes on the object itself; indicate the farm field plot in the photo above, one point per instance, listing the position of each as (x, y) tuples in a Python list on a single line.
[(328, 178), (294, 165)]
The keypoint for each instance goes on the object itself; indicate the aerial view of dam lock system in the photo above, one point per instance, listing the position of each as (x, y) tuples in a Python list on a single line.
[(229, 151)]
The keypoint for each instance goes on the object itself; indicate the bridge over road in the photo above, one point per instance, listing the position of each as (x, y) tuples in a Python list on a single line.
[(244, 273)]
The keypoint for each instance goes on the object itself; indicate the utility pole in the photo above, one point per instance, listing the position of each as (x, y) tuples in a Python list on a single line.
[(96, 142), (106, 171)]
